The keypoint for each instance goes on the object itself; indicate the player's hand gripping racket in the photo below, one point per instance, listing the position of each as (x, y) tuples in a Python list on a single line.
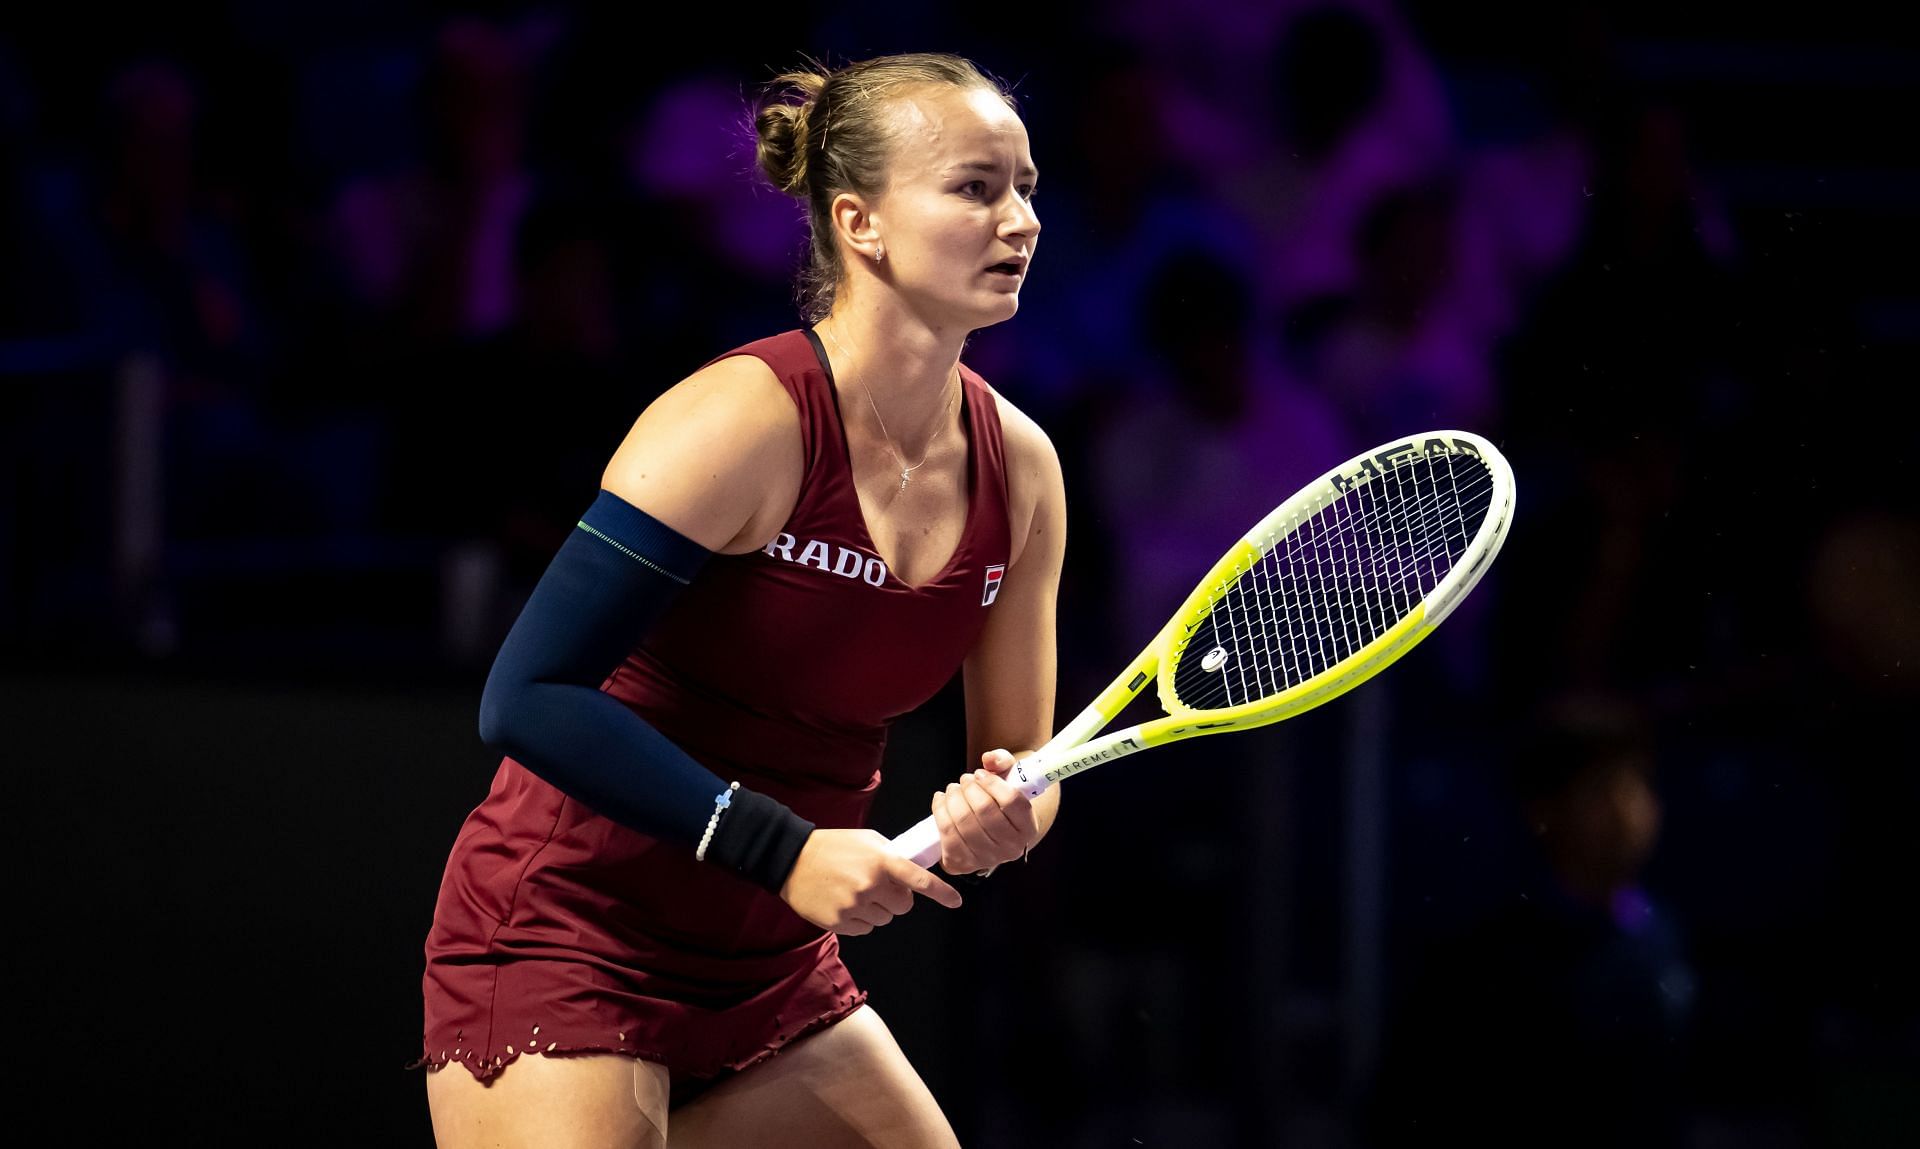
[(1321, 595)]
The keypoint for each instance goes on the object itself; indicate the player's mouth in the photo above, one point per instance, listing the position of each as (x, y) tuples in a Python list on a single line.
[(1015, 268)]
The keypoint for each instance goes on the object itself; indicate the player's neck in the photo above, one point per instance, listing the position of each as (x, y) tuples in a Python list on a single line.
[(912, 376)]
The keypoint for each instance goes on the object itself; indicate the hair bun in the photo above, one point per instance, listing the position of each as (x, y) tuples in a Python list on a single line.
[(782, 125)]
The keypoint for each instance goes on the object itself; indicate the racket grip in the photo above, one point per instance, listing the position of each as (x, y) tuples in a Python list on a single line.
[(921, 844)]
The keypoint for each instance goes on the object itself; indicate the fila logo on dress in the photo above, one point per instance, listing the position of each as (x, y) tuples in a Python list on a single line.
[(845, 562), (991, 591)]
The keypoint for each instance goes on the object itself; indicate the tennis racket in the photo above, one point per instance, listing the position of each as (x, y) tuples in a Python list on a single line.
[(1328, 590)]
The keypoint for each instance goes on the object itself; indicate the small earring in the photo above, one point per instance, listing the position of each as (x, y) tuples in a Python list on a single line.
[(879, 253)]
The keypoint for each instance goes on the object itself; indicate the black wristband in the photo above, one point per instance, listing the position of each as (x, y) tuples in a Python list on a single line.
[(759, 839)]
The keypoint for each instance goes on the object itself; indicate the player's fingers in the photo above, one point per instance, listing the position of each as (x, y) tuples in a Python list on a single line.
[(956, 854), (997, 762), (950, 844), (924, 882), (966, 802), (988, 813), (892, 894), (1017, 807)]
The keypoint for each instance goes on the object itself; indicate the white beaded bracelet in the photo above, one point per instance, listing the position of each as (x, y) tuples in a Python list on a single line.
[(720, 803)]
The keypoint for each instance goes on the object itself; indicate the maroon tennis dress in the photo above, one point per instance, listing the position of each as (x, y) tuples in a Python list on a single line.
[(560, 931)]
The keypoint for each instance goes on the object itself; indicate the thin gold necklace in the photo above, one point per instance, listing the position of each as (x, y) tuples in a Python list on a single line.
[(906, 472)]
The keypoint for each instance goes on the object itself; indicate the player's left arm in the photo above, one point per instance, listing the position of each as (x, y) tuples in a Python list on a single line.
[(1009, 676)]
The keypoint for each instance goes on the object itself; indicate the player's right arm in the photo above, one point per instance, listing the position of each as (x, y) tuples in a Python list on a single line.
[(718, 457), (714, 464)]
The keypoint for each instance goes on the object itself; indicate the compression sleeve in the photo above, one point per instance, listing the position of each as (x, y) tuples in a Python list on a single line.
[(542, 705)]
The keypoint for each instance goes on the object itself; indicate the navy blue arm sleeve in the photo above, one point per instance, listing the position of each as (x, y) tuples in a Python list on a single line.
[(610, 580)]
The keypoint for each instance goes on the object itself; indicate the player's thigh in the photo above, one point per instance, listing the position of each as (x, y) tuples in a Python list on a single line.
[(846, 1087), (592, 1101)]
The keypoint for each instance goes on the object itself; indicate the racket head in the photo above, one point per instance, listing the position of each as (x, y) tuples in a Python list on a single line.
[(1336, 583)]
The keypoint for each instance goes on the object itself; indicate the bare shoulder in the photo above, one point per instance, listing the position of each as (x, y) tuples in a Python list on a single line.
[(717, 456)]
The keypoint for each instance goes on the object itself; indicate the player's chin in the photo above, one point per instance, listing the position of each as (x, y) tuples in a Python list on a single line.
[(998, 308)]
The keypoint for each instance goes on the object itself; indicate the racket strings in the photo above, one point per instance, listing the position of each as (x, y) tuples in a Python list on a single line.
[(1336, 579)]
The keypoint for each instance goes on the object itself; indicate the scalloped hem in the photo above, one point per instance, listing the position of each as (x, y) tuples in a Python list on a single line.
[(486, 1069), (854, 1001)]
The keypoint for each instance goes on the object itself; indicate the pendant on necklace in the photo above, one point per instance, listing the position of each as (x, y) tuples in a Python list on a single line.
[(903, 480)]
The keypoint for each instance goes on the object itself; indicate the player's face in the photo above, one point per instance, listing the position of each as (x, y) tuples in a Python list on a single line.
[(957, 216)]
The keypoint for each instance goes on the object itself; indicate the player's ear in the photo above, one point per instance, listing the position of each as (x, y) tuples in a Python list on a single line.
[(855, 226)]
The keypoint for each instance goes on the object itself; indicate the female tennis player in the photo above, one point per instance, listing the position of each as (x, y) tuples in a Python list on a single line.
[(796, 544)]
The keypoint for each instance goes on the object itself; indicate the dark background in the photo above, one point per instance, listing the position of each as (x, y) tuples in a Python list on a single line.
[(317, 323)]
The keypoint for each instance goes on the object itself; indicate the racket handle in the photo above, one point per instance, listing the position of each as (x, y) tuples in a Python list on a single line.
[(921, 844)]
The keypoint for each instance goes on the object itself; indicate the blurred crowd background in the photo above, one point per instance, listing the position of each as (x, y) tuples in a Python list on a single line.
[(318, 323)]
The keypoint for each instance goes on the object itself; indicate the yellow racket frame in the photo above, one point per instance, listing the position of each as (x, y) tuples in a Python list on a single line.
[(1075, 748)]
